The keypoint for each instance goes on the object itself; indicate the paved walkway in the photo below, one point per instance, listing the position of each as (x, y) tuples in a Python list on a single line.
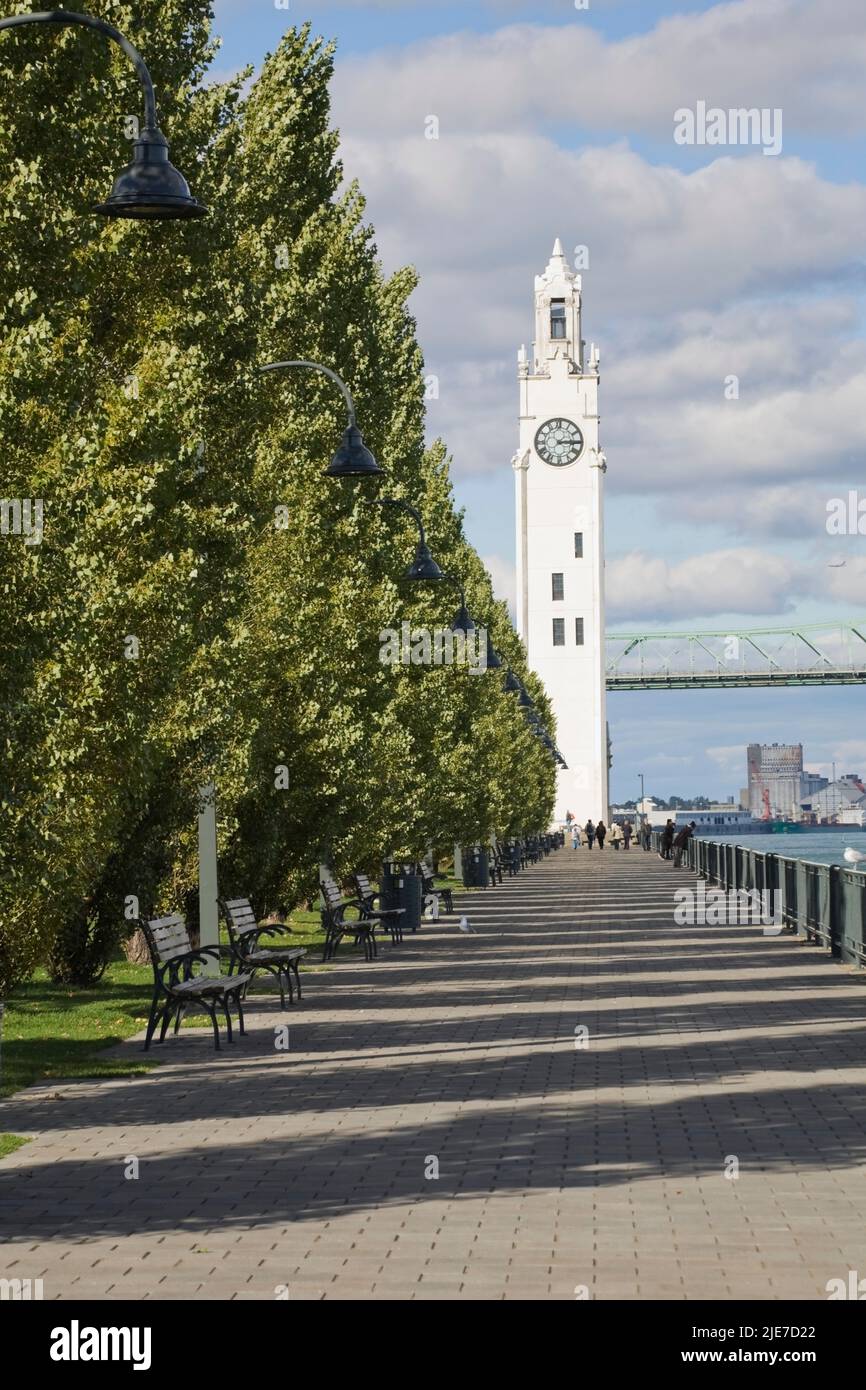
[(560, 1168)]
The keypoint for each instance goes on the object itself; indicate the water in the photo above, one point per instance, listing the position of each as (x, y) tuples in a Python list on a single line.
[(821, 847)]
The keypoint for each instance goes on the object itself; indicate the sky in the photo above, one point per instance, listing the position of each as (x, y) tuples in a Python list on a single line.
[(707, 262)]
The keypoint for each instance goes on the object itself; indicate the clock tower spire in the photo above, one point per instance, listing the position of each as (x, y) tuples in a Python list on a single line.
[(559, 476)]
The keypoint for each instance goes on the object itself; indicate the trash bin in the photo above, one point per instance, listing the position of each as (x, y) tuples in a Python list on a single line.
[(401, 886), (476, 867)]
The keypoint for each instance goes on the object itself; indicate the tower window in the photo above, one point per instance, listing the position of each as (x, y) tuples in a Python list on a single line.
[(578, 632), (557, 318), (559, 632), (578, 545), (557, 584)]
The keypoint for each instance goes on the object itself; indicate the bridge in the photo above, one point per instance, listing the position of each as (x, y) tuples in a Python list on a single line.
[(811, 654)]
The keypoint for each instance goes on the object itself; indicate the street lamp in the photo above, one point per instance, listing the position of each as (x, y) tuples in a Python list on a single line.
[(423, 568), (463, 622), (352, 459), (512, 684), (150, 188), (464, 625)]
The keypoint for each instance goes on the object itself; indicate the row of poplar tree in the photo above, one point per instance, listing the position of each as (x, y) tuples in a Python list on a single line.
[(169, 630)]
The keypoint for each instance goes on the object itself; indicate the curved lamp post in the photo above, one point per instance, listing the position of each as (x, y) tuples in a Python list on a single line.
[(463, 622), (150, 188), (464, 625), (423, 568), (512, 684), (352, 459)]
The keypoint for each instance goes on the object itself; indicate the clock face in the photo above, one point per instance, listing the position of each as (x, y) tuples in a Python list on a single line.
[(559, 442)]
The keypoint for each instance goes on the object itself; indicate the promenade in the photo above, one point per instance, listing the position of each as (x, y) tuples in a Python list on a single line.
[(563, 1171)]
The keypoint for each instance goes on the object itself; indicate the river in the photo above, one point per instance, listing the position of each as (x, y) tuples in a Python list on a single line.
[(821, 847)]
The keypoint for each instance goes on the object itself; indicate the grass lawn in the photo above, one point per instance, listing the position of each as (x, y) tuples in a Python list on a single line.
[(52, 1031), (9, 1143)]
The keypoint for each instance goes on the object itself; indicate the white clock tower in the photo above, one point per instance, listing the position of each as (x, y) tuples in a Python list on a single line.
[(559, 474)]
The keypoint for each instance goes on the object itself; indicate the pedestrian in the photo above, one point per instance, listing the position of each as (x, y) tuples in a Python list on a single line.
[(626, 834), (646, 832), (667, 840), (600, 832), (589, 831), (616, 835), (575, 836), (680, 843)]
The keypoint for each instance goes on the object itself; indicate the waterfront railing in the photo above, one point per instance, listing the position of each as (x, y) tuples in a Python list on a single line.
[(823, 903)]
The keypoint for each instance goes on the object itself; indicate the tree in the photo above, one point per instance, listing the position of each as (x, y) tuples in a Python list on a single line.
[(168, 631)]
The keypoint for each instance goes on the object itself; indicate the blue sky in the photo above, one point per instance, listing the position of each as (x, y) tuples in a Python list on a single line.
[(705, 261)]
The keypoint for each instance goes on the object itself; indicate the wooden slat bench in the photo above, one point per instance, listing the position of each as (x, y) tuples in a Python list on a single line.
[(389, 917), (429, 887), (176, 987), (334, 909), (244, 933)]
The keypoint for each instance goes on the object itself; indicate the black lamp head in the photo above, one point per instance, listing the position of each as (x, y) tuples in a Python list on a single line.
[(353, 459), (150, 188), (424, 567), (512, 684), (493, 661), (524, 700), (463, 621)]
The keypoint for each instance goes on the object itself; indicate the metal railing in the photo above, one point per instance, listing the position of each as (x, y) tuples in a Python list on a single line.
[(823, 903)]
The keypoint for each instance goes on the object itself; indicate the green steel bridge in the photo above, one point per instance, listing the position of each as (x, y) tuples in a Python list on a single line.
[(811, 654)]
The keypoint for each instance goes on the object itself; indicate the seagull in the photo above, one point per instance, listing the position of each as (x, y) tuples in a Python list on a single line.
[(464, 925), (853, 856), (836, 565)]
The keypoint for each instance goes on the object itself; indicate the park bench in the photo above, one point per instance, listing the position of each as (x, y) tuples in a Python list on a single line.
[(280, 961), (334, 909), (175, 985), (429, 886), (389, 917)]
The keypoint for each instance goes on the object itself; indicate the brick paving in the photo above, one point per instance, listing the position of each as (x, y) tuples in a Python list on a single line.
[(563, 1171)]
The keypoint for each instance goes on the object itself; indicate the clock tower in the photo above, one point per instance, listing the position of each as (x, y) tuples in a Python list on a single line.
[(559, 475)]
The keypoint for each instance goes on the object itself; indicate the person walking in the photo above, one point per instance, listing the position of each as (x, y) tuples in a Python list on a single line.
[(667, 840), (589, 831), (616, 835), (646, 834), (626, 834), (680, 842), (600, 832), (575, 836)]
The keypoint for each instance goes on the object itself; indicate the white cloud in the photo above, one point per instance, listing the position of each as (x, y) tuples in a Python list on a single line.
[(728, 757), (641, 586), (504, 576), (848, 584), (807, 59)]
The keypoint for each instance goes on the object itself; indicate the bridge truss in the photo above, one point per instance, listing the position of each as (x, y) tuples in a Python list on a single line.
[(811, 654)]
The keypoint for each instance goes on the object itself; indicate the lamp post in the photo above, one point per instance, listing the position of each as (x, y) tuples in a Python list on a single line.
[(150, 188), (423, 568), (464, 625), (352, 459)]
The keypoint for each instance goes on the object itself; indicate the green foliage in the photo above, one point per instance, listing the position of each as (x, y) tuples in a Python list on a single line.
[(129, 403)]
